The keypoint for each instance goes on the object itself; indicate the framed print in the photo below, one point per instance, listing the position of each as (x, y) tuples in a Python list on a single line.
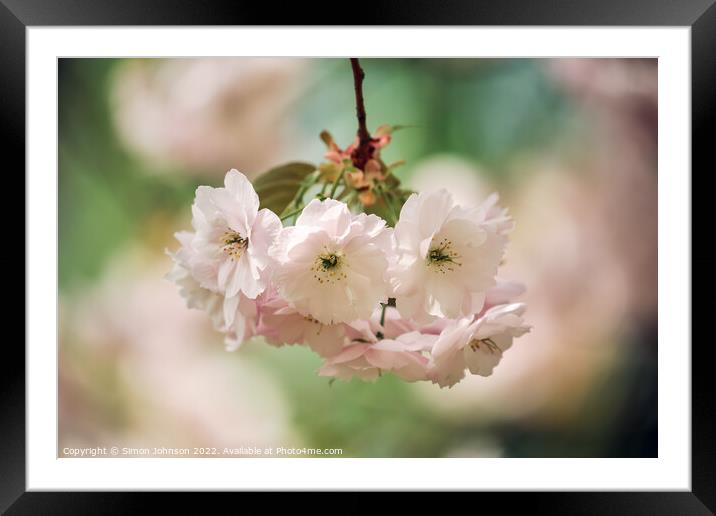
[(401, 256)]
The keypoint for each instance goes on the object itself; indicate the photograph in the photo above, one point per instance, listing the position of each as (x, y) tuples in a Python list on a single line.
[(437, 249), (359, 257)]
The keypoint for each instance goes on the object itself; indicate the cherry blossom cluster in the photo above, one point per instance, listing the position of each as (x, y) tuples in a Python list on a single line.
[(420, 300)]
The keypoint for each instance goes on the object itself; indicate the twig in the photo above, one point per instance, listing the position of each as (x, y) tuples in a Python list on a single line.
[(363, 152)]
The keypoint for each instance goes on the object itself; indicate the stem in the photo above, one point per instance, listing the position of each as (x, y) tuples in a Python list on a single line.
[(301, 192), (391, 302), (363, 152), (335, 183), (382, 314), (292, 213)]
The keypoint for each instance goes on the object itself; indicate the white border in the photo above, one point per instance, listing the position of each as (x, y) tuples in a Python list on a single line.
[(670, 471)]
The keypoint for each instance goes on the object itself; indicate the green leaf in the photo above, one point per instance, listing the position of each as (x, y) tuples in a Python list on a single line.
[(278, 186)]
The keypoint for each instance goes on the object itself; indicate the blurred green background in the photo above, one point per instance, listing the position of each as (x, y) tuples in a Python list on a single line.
[(570, 145)]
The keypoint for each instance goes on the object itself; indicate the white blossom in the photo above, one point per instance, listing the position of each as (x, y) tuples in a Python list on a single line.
[(232, 238), (331, 265), (447, 256), (193, 293), (236, 317)]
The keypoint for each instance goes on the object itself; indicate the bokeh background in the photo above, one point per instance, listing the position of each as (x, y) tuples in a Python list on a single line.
[(570, 145)]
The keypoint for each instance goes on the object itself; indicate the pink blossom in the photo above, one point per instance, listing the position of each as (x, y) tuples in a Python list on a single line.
[(476, 346), (369, 360), (282, 324)]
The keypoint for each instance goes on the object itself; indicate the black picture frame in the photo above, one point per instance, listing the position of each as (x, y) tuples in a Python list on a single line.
[(700, 15)]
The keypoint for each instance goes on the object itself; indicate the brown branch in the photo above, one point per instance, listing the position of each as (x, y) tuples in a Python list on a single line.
[(364, 151)]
